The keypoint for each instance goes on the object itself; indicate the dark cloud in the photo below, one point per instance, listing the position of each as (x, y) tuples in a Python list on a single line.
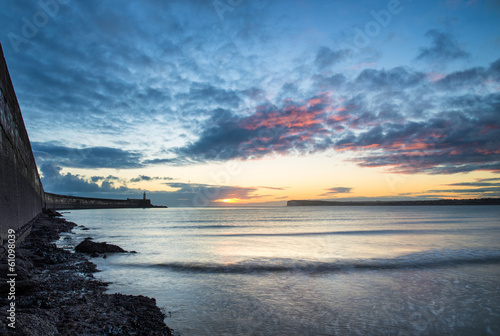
[(288, 90), (55, 181), (474, 184), (462, 139), (330, 82), (337, 190), (494, 70), (93, 157), (475, 80), (396, 79), (220, 140), (160, 161), (443, 48), (271, 129), (141, 178), (327, 57), (473, 192), (489, 182), (470, 78), (489, 179), (149, 178), (102, 178), (272, 188), (207, 93)]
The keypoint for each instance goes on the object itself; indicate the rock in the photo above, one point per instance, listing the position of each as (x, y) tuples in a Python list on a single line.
[(37, 325), (90, 247), (51, 213), (56, 293)]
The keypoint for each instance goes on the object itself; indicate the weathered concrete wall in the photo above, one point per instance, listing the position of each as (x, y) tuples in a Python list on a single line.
[(59, 202), (21, 192), (22, 197)]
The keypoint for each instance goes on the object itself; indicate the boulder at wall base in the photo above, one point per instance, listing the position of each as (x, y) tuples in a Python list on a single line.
[(51, 213), (90, 247)]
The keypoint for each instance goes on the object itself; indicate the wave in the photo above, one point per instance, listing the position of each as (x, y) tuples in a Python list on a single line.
[(264, 219), (431, 259), (208, 226), (356, 232)]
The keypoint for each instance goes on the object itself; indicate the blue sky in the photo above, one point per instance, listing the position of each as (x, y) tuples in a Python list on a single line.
[(257, 102)]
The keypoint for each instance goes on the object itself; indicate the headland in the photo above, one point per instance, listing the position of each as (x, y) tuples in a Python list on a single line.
[(474, 201)]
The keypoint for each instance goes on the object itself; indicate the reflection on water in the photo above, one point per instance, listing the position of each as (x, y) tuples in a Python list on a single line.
[(309, 271)]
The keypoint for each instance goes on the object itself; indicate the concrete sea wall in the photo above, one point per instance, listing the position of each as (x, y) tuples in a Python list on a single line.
[(54, 201), (21, 191), (22, 197)]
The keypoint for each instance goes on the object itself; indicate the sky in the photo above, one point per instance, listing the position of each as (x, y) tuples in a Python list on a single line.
[(239, 102)]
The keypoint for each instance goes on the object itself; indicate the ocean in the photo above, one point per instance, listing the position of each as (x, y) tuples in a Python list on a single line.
[(385, 270)]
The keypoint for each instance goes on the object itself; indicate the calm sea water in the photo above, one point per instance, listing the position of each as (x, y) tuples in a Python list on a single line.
[(307, 270)]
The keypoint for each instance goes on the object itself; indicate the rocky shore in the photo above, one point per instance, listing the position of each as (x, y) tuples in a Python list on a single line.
[(57, 294)]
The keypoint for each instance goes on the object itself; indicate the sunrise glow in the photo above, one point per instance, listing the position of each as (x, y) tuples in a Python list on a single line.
[(230, 200)]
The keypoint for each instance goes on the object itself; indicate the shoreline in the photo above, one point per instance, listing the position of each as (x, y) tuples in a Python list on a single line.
[(56, 293)]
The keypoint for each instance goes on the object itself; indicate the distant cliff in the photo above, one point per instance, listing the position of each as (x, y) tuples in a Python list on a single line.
[(478, 201)]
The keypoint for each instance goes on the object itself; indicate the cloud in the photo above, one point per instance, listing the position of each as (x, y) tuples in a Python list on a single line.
[(56, 182), (395, 123), (100, 178), (474, 80), (207, 93), (149, 178), (484, 192), (147, 86), (337, 190), (271, 129), (329, 82), (141, 178), (477, 184), (397, 79), (327, 57), (272, 188), (93, 157), (443, 48), (160, 161), (388, 118), (462, 138)]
